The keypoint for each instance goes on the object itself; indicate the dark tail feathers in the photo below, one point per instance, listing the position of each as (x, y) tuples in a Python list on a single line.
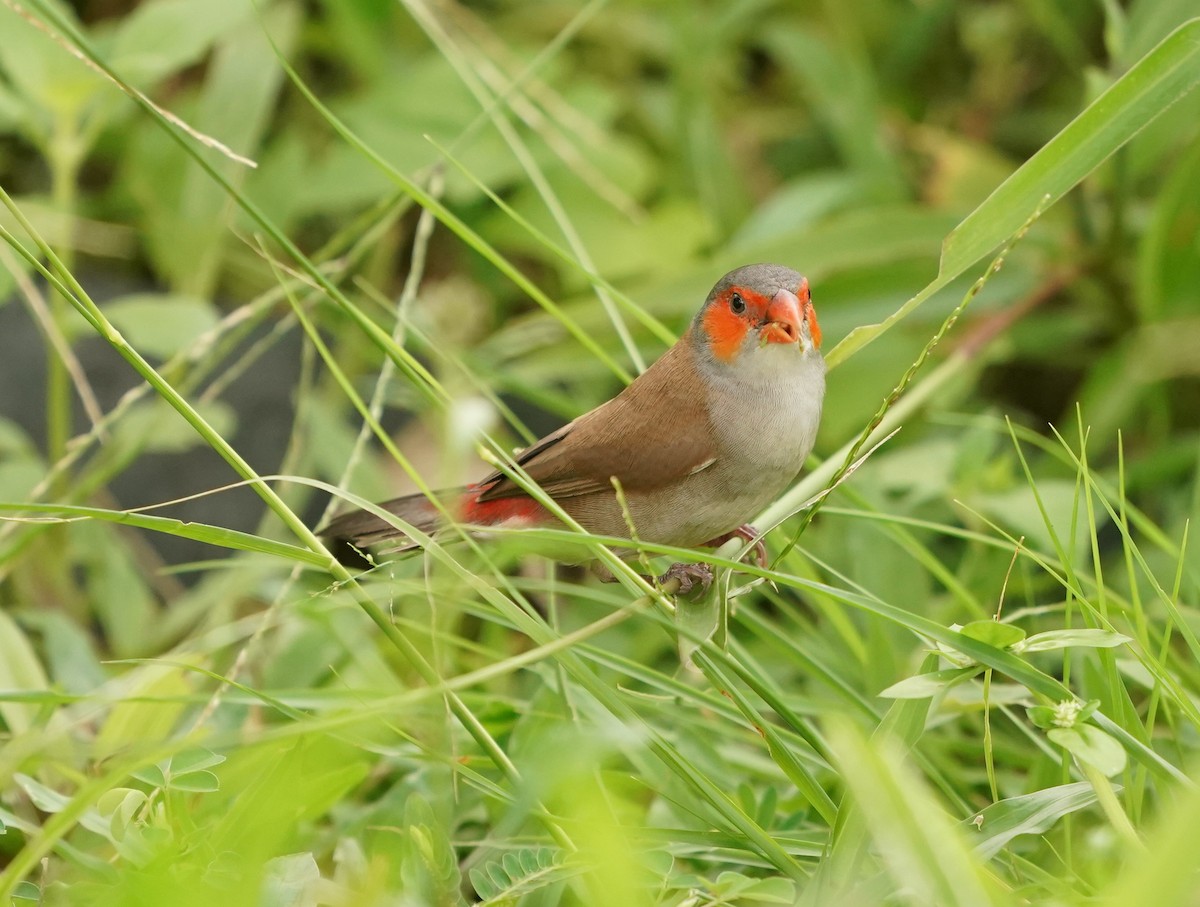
[(361, 529)]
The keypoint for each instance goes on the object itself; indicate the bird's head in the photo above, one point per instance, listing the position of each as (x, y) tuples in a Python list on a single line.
[(754, 308)]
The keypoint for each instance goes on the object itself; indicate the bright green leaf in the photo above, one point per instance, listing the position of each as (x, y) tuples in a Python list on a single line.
[(1064, 639), (1089, 744), (1028, 814), (994, 633), (922, 686)]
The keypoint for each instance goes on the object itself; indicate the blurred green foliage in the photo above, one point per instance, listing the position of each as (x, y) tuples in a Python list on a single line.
[(618, 156)]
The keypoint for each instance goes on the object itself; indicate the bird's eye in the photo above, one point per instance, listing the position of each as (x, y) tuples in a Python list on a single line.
[(737, 305)]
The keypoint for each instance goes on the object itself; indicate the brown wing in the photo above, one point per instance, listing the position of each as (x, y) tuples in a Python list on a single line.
[(654, 432)]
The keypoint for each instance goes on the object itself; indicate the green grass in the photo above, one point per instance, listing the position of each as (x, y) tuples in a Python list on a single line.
[(969, 675)]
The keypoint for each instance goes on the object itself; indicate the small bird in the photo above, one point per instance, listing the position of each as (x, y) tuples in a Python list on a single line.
[(700, 442)]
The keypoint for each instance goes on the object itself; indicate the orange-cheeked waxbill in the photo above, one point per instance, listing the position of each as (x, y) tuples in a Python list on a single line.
[(701, 442)]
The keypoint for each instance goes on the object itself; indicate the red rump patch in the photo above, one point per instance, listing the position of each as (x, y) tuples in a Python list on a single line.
[(520, 511)]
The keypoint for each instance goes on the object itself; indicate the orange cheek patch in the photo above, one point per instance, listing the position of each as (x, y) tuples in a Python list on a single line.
[(810, 315), (725, 331)]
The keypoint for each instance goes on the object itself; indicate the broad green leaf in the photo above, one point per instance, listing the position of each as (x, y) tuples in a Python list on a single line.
[(775, 890), (154, 775), (195, 782), (290, 880), (194, 761), (1087, 638), (994, 633), (922, 686), (1042, 716), (44, 798), (1029, 814), (120, 804), (1089, 744), (49, 800), (27, 891)]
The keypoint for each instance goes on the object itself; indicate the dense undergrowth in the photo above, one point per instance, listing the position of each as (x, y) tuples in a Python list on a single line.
[(973, 677)]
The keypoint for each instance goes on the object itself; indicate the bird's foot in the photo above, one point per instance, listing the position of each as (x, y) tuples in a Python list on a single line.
[(692, 578), (748, 533)]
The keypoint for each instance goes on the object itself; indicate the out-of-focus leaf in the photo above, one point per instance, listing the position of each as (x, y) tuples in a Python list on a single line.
[(49, 800), (120, 805), (70, 657), (162, 37), (12, 110), (116, 583), (843, 91), (1158, 80), (289, 881), (1168, 268), (55, 84), (1089, 744), (395, 123), (154, 427), (856, 239), (922, 686), (19, 475), (1017, 511), (1147, 22), (148, 713), (798, 205), (19, 670), (27, 891), (161, 325), (187, 213)]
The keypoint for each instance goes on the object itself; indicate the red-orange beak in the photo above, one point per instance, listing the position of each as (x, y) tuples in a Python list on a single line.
[(783, 318)]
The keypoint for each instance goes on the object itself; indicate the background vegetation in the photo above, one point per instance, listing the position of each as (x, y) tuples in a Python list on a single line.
[(974, 680)]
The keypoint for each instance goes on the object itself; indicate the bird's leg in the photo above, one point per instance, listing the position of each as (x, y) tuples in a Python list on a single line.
[(691, 577), (747, 533)]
